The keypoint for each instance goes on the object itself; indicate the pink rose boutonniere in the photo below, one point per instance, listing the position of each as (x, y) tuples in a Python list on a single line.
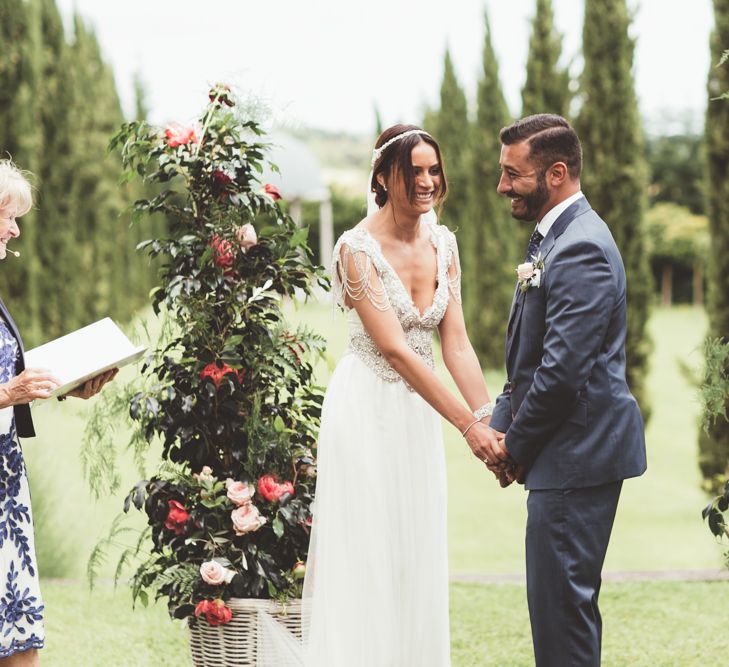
[(530, 273)]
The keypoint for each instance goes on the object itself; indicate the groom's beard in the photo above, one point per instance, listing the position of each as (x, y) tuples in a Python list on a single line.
[(532, 202)]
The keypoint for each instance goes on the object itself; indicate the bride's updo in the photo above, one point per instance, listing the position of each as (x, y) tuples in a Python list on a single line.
[(392, 155)]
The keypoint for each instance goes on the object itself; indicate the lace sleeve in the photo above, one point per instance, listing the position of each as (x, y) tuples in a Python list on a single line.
[(454, 268), (354, 275)]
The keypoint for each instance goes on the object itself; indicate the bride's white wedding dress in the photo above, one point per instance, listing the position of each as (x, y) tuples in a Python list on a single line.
[(376, 589)]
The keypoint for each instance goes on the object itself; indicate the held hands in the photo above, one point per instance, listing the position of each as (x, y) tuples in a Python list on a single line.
[(32, 383), (93, 386), (505, 470), (487, 447)]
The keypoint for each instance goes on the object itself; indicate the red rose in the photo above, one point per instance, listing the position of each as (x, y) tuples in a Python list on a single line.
[(271, 490), (217, 373), (223, 253), (176, 517), (286, 487), (179, 135), (221, 178), (221, 91), (215, 611), (272, 191)]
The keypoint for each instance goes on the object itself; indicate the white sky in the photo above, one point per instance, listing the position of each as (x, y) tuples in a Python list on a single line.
[(326, 63)]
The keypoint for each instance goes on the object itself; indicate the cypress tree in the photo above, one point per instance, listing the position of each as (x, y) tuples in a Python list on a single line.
[(57, 241), (23, 278), (547, 85), (451, 127), (615, 173), (488, 251), (714, 447)]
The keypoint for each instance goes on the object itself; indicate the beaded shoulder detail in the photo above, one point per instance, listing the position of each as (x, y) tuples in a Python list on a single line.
[(371, 276)]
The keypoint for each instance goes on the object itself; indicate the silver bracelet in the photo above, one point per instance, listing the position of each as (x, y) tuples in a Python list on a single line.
[(473, 423), (484, 411)]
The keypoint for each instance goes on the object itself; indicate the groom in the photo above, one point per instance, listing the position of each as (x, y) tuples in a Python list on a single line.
[(566, 416)]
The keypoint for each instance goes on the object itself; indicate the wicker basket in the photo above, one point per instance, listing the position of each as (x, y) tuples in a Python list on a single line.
[(237, 643)]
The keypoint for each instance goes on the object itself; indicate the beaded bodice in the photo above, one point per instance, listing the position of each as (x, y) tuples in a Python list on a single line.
[(360, 270)]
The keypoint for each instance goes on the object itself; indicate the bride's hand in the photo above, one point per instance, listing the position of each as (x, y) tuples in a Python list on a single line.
[(485, 445)]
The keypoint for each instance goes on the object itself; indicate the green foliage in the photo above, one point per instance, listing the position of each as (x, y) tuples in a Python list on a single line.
[(486, 242), (676, 234), (547, 86), (58, 106), (714, 446), (677, 165), (229, 391), (615, 175)]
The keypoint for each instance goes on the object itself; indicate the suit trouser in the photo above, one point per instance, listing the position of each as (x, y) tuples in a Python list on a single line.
[(566, 540)]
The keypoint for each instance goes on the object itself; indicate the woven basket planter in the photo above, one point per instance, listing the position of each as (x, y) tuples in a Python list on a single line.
[(237, 643)]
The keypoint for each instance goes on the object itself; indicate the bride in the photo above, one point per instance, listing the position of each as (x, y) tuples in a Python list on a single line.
[(376, 588)]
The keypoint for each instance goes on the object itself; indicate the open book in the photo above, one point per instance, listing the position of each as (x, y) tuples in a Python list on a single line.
[(84, 353)]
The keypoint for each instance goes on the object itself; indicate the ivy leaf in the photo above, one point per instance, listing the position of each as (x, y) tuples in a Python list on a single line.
[(278, 527)]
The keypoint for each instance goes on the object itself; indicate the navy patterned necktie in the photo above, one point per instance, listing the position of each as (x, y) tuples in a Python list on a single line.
[(533, 248)]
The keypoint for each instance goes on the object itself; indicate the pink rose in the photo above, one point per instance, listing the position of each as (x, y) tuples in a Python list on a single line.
[(240, 493), (246, 236), (179, 135), (271, 490), (176, 517), (215, 611), (272, 191), (525, 271), (246, 519), (215, 574)]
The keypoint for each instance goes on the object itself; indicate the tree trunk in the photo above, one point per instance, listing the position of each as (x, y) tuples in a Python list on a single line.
[(667, 285)]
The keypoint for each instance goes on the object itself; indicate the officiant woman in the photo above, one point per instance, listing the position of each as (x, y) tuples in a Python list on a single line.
[(21, 606)]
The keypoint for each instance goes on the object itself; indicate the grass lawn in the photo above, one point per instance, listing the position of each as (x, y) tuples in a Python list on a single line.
[(646, 625), (658, 528)]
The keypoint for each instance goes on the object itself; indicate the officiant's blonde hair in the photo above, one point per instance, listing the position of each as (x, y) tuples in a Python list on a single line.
[(16, 193)]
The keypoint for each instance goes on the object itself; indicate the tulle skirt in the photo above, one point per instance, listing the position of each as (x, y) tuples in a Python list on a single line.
[(376, 588)]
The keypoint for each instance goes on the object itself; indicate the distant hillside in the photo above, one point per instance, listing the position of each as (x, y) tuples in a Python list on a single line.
[(345, 158)]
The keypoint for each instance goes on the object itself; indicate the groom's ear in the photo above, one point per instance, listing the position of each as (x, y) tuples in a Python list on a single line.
[(557, 174)]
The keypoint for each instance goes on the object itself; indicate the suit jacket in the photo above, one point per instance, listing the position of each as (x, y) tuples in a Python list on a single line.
[(566, 409), (23, 419)]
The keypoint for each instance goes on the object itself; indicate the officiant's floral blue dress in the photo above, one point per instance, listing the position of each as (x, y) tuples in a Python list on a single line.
[(21, 606)]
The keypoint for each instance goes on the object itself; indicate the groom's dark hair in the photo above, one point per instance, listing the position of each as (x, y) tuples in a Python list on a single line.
[(551, 139)]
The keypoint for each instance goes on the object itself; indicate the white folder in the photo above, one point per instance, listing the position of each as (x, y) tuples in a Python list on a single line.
[(84, 353)]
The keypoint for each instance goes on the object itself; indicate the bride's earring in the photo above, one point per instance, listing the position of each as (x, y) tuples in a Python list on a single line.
[(384, 187)]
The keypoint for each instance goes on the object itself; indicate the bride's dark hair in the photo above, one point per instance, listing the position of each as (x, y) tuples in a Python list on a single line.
[(397, 158)]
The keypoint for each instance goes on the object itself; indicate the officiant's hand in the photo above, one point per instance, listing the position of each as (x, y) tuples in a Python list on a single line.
[(94, 385), (25, 387)]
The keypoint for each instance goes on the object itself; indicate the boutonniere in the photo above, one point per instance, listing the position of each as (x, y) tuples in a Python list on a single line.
[(530, 273)]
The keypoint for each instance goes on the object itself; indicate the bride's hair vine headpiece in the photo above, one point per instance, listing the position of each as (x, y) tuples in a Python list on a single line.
[(377, 152)]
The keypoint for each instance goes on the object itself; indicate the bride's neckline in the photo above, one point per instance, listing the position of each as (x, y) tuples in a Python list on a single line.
[(431, 231)]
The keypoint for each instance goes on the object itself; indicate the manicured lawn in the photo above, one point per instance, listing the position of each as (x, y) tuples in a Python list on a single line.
[(646, 625), (658, 528)]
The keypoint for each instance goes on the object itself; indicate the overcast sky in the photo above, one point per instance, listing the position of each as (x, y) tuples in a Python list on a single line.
[(327, 63)]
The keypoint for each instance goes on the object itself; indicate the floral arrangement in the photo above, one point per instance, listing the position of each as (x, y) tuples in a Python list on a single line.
[(229, 394), (530, 273)]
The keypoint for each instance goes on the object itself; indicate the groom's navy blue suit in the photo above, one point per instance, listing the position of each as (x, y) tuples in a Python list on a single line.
[(572, 422)]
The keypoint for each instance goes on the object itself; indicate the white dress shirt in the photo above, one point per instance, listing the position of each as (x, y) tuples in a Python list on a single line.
[(551, 216)]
